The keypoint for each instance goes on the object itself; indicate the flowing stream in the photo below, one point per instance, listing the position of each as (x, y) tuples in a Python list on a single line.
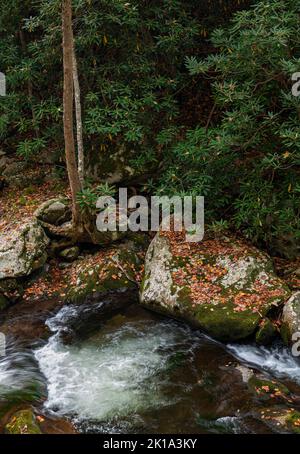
[(141, 373)]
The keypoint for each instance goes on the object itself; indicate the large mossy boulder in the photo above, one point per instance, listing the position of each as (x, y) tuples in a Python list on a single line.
[(291, 318), (222, 286)]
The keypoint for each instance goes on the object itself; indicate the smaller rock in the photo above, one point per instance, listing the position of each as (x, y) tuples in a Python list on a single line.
[(266, 332), (64, 265), (54, 211), (293, 421), (115, 270), (70, 254), (291, 318), (283, 420)]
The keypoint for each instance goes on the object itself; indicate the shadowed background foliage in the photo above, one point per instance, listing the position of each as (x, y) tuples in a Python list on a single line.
[(176, 98)]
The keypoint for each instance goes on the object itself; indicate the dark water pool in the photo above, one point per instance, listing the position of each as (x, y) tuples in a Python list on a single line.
[(140, 373)]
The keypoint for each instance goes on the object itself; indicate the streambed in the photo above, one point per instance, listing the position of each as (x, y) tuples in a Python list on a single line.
[(140, 373)]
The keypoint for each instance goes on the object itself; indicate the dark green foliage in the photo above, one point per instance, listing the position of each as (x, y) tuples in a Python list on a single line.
[(131, 67), (246, 162), (212, 112), (130, 57), (88, 196)]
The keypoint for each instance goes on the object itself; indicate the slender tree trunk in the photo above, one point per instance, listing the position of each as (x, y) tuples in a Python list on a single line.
[(68, 109), (78, 118)]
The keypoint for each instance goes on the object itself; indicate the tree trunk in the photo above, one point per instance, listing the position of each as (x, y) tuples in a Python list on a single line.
[(78, 118), (68, 109)]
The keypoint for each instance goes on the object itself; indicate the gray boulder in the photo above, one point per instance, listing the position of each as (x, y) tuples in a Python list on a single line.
[(22, 251), (222, 286), (54, 211)]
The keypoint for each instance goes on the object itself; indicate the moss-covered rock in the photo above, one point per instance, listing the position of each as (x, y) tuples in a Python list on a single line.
[(279, 419), (291, 318), (33, 392), (265, 389), (293, 421), (266, 332), (108, 270), (223, 286), (23, 422)]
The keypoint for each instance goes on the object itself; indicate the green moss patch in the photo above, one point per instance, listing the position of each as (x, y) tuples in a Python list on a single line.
[(266, 332), (23, 422), (265, 389)]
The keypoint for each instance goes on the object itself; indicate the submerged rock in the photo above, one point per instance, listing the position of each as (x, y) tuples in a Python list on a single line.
[(222, 286), (291, 318)]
